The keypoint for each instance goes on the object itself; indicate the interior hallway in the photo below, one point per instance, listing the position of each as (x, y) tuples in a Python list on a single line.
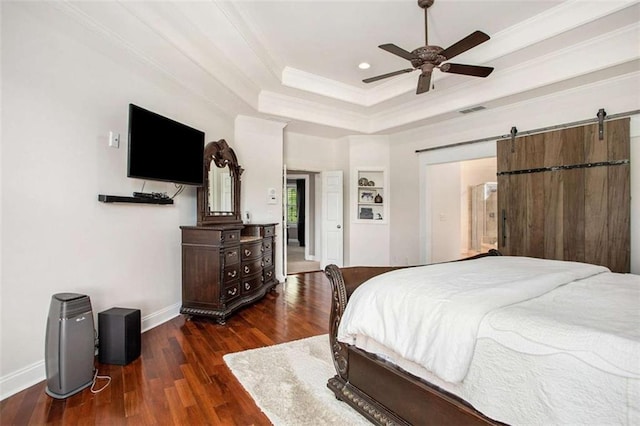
[(295, 260)]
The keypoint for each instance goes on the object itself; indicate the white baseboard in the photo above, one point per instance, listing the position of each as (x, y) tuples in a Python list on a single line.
[(160, 317), (21, 379), (30, 375)]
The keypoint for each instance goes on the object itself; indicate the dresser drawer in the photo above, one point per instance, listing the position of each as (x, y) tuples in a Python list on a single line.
[(231, 272), (249, 285), (230, 236), (231, 256), (269, 231), (269, 275), (231, 292), (267, 243), (251, 267), (251, 250), (205, 235)]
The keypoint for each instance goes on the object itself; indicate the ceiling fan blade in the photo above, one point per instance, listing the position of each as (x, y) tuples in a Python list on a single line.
[(470, 41), (424, 83), (392, 48), (473, 70), (390, 74)]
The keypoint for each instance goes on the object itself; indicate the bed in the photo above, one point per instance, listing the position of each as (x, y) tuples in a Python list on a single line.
[(495, 339)]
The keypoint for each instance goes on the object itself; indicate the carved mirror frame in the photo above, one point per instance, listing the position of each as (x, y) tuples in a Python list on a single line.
[(221, 155)]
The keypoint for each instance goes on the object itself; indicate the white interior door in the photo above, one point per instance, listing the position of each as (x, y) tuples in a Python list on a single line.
[(332, 219)]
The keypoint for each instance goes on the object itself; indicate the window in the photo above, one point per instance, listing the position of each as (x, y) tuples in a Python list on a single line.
[(292, 204)]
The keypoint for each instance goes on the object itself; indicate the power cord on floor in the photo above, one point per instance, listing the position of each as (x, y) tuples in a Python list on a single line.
[(95, 377)]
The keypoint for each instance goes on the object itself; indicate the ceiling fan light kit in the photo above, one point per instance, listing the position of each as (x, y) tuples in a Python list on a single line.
[(428, 57)]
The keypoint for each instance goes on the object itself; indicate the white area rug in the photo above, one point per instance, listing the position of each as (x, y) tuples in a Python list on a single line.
[(289, 383)]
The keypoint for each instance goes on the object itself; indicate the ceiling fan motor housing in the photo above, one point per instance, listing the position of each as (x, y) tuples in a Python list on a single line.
[(425, 3), (427, 54)]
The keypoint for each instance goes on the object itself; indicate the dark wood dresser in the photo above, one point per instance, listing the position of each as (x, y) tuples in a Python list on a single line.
[(226, 267)]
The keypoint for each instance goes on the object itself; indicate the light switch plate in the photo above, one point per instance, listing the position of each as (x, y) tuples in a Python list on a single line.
[(271, 196)]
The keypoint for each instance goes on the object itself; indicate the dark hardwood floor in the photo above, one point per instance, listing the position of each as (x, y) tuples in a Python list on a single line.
[(180, 378)]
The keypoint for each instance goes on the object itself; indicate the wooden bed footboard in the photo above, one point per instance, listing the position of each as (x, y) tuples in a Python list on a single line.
[(380, 391)]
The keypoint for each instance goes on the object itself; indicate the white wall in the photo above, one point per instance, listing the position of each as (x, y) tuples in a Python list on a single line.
[(446, 207), (317, 154), (313, 153), (368, 242), (259, 147), (60, 98), (615, 96)]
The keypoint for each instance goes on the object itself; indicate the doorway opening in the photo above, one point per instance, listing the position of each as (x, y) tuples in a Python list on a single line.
[(301, 221), (463, 208)]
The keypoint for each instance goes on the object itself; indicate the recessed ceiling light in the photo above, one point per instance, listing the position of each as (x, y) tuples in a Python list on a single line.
[(364, 66)]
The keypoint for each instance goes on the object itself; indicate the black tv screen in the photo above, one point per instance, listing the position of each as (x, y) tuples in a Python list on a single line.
[(163, 149)]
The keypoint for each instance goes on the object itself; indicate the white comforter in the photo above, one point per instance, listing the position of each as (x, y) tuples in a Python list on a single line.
[(451, 299)]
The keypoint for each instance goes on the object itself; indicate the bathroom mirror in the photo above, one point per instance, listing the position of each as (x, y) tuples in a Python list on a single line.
[(219, 197)]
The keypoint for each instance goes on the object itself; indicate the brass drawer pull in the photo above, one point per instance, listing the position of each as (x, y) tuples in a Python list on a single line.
[(247, 252), (247, 286), (246, 269), (232, 274), (233, 291)]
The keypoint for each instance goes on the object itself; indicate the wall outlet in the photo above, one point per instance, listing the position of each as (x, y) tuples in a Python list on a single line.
[(114, 140)]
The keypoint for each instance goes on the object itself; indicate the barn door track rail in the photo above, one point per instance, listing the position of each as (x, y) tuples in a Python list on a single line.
[(601, 116)]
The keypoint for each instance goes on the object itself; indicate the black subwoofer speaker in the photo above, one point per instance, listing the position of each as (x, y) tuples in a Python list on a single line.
[(119, 335)]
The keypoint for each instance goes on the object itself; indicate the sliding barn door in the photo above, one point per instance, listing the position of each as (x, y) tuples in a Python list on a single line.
[(565, 195)]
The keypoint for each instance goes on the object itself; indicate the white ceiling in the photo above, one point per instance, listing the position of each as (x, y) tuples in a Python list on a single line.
[(296, 60)]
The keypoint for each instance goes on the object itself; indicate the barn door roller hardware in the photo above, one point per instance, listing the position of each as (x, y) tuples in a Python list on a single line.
[(600, 120), (601, 116), (513, 133)]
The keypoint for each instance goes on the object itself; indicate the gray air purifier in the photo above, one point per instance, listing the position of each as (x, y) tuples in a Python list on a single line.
[(69, 345)]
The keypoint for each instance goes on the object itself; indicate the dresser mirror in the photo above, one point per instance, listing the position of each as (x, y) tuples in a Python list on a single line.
[(219, 196)]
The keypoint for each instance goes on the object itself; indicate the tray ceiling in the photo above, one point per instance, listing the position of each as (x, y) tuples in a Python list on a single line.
[(297, 61)]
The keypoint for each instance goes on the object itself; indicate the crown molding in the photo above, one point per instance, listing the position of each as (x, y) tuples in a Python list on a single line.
[(313, 112), (617, 47), (557, 20), (192, 54), (189, 32)]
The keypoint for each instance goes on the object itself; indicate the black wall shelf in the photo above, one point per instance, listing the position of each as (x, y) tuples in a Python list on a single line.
[(136, 200)]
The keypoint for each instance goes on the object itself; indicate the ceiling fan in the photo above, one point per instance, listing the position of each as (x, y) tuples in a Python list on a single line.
[(427, 57)]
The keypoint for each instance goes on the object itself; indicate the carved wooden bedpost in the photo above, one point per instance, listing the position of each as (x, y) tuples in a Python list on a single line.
[(338, 304)]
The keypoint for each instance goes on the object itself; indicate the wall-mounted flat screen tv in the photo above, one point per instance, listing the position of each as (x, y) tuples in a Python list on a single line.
[(163, 149)]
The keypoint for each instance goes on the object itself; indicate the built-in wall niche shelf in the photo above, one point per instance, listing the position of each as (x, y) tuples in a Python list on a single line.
[(136, 200), (370, 196)]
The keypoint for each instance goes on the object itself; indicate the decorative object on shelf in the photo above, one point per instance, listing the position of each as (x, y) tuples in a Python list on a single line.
[(366, 196), (366, 213)]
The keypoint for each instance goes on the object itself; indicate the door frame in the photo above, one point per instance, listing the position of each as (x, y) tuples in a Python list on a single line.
[(445, 155), (306, 210)]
